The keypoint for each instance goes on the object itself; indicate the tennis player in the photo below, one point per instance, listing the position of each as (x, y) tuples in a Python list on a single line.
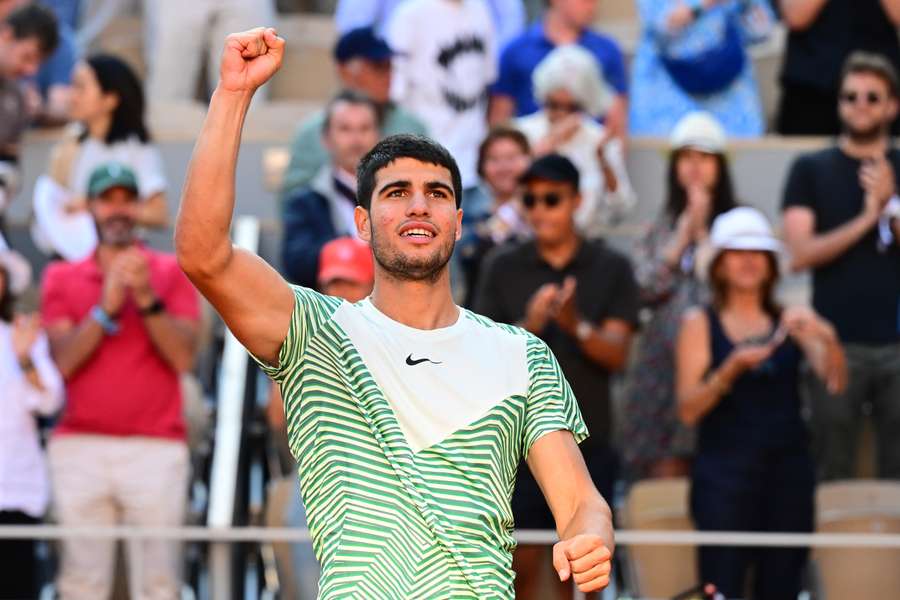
[(406, 413)]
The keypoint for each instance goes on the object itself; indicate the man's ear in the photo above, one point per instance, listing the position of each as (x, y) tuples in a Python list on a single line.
[(363, 228), (459, 217), (577, 199), (893, 107)]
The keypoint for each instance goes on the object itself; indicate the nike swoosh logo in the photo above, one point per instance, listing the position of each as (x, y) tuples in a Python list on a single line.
[(413, 362)]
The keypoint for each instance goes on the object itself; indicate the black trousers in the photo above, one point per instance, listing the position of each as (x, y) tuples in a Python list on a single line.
[(761, 491), (18, 566)]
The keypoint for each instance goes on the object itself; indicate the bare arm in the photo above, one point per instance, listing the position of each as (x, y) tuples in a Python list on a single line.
[(501, 109), (809, 250), (697, 390), (608, 344), (892, 8), (154, 211), (820, 344), (252, 298), (175, 339), (583, 518), (800, 14), (72, 345)]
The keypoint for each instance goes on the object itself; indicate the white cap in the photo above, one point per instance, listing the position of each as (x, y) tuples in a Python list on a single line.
[(18, 270), (741, 228), (698, 130)]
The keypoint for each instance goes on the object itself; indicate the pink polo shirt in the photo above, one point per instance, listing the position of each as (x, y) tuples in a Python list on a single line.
[(125, 388)]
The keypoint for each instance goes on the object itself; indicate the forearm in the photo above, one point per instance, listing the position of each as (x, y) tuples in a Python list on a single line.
[(821, 249), (73, 350), (154, 212), (202, 241), (607, 351), (592, 516), (697, 400), (175, 342), (800, 14)]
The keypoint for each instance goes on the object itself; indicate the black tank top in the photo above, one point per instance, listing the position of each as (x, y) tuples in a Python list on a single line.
[(762, 410)]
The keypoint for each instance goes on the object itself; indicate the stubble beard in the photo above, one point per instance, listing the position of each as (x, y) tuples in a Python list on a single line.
[(403, 268)]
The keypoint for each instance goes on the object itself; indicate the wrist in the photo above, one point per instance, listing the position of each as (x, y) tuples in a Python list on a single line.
[(144, 299), (106, 321), (25, 363)]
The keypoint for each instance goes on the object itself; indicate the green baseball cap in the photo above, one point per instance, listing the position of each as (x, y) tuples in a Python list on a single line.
[(111, 175)]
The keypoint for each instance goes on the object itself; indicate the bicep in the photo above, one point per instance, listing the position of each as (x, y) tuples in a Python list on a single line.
[(559, 469), (799, 224), (692, 355), (253, 300)]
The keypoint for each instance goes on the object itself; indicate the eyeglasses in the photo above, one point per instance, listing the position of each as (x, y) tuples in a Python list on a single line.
[(550, 200), (871, 98), (565, 107)]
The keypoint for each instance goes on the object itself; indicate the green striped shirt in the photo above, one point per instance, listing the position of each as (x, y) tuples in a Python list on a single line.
[(408, 441)]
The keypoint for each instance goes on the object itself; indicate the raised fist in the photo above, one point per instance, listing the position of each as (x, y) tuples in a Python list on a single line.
[(250, 58)]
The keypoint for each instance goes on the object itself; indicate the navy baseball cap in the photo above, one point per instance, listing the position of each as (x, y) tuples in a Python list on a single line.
[(361, 43), (552, 167)]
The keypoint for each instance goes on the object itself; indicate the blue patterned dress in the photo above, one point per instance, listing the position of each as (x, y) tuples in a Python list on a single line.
[(656, 101)]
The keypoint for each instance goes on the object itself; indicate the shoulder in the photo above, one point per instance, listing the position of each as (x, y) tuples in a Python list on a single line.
[(524, 40), (509, 254), (695, 320), (511, 334), (608, 257), (599, 44), (399, 120), (816, 159), (304, 198), (61, 270), (310, 299), (311, 125)]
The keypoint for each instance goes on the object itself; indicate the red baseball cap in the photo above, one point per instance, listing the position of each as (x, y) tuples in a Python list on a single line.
[(346, 258)]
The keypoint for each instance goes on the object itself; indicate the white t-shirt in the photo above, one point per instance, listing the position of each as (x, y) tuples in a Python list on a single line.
[(444, 63), (144, 159), (599, 207)]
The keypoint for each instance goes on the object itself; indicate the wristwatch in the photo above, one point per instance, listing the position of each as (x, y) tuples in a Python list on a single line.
[(155, 308), (110, 326), (583, 330)]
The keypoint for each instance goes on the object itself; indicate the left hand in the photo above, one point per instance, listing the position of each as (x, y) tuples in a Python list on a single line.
[(137, 276), (799, 320), (565, 309), (877, 179), (586, 559), (25, 331)]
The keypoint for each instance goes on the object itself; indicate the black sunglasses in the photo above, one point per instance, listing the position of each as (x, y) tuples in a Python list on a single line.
[(871, 98), (550, 200), (566, 107)]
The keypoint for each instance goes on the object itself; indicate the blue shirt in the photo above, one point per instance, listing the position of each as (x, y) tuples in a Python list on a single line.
[(57, 70), (522, 55)]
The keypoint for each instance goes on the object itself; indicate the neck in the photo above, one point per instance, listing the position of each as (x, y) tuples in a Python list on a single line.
[(417, 304), (559, 254), (502, 198), (99, 128), (559, 30), (746, 303), (858, 148)]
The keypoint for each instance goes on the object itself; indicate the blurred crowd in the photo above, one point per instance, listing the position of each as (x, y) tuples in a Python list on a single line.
[(719, 380)]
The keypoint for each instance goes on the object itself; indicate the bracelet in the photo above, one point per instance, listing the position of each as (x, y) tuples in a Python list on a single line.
[(109, 325), (26, 364)]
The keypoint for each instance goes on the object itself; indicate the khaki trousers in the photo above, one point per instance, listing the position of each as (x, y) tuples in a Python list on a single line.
[(104, 481)]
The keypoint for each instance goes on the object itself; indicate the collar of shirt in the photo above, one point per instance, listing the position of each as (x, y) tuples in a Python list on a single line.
[(582, 256)]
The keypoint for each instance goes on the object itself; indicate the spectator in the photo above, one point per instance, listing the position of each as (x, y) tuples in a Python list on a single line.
[(571, 92), (492, 211), (822, 34), (738, 363), (122, 325), (580, 297), (508, 16), (323, 211), (51, 87), (177, 41), (31, 387), (699, 189), (28, 35), (363, 65), (441, 74), (108, 103), (346, 270), (565, 22), (840, 219), (691, 57)]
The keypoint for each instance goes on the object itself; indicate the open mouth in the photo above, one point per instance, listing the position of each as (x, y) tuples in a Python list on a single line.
[(418, 233)]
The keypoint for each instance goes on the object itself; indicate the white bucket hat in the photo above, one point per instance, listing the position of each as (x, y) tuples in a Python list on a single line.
[(699, 130), (741, 228)]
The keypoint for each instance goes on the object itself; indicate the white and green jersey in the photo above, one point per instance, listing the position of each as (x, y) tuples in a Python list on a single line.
[(408, 441)]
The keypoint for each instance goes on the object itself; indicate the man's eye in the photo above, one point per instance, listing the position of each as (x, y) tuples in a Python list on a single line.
[(395, 193), (438, 194)]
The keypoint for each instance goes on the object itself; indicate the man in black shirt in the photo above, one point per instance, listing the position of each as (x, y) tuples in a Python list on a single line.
[(822, 34), (580, 297), (840, 219)]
